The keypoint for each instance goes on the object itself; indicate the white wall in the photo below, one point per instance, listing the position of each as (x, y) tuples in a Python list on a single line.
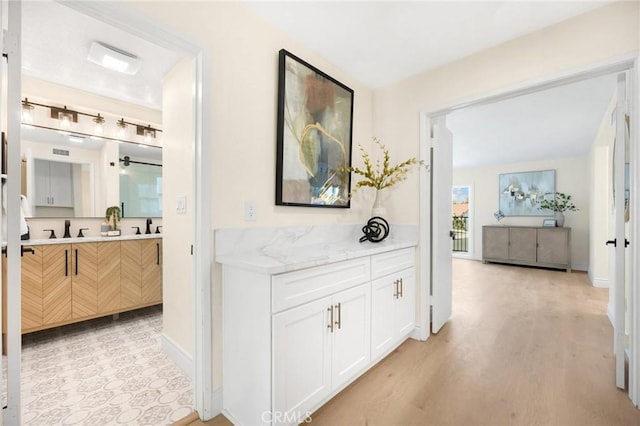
[(571, 178), (177, 177), (601, 200)]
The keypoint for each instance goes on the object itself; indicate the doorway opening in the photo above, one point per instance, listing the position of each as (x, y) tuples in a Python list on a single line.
[(488, 214), (461, 230), (198, 324)]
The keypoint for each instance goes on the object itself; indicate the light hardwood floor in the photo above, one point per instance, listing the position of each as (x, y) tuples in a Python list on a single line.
[(524, 346)]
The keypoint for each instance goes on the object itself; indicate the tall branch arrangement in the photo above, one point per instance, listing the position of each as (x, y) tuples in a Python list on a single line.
[(382, 175)]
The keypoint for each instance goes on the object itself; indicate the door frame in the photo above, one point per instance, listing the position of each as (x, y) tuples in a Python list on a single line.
[(207, 402), (622, 63)]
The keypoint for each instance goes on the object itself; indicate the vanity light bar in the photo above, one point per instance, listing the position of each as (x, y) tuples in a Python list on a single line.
[(71, 116)]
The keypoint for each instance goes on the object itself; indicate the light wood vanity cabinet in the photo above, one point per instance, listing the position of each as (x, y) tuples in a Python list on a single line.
[(66, 283), (523, 245), (141, 277)]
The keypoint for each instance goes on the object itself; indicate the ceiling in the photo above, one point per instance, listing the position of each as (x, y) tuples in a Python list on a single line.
[(558, 122), (378, 43), (55, 43), (382, 42)]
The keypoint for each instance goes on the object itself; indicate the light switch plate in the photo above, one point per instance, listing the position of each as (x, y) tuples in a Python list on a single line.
[(181, 204)]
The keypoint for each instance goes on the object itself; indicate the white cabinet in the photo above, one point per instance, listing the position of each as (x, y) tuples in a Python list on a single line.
[(53, 183), (318, 347), (392, 306), (292, 341)]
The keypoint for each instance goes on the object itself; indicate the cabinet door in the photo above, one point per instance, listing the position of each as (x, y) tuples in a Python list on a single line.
[(351, 334), (152, 271), (130, 273), (61, 184), (31, 289), (522, 244), (383, 297), (84, 292), (301, 358), (495, 243), (405, 304), (42, 182), (553, 246), (108, 276), (56, 288)]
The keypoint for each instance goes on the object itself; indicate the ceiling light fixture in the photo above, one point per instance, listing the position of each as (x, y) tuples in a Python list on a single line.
[(112, 58), (27, 107)]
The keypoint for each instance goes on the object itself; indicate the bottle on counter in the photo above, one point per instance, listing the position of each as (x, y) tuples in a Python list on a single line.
[(104, 229)]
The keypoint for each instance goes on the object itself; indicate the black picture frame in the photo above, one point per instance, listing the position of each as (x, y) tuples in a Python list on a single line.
[(314, 136)]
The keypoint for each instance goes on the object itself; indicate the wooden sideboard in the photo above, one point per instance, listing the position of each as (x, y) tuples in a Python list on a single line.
[(527, 245)]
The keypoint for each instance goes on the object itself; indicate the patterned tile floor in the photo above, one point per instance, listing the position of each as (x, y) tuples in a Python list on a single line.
[(102, 372)]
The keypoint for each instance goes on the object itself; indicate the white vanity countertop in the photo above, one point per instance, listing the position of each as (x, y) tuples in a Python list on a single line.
[(91, 239), (276, 260)]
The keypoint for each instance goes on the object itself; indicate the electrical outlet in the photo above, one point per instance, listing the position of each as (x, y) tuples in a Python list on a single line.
[(250, 211)]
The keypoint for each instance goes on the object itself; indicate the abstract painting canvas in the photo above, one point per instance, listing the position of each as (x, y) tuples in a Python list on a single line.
[(315, 118), (521, 193)]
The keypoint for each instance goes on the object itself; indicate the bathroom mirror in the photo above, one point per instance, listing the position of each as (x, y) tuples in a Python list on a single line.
[(70, 175)]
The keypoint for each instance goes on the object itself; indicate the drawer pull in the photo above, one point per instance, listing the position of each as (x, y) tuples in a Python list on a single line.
[(330, 326), (339, 321)]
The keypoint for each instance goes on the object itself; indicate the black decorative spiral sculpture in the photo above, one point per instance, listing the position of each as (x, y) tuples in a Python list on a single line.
[(376, 230)]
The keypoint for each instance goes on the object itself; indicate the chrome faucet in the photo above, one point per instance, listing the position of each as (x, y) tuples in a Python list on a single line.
[(148, 230), (67, 228)]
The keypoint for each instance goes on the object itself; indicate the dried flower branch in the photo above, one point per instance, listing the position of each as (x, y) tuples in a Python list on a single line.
[(381, 177)]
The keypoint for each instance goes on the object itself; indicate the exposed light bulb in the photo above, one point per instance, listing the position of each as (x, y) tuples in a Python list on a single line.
[(122, 128), (98, 128), (27, 107), (65, 120)]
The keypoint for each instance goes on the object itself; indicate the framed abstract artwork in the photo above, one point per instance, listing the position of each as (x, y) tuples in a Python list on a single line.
[(520, 194), (314, 129)]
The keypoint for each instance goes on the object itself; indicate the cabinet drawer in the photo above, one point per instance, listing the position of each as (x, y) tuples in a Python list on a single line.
[(294, 288), (388, 263)]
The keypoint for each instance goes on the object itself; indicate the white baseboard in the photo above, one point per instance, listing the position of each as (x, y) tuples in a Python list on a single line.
[(610, 314), (419, 334), (179, 356), (600, 283)]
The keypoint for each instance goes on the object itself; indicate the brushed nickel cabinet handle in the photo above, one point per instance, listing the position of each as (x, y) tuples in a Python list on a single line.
[(330, 326), (339, 322), (395, 289), (401, 288)]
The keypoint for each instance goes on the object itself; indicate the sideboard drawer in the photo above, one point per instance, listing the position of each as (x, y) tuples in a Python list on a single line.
[(295, 288), (387, 263)]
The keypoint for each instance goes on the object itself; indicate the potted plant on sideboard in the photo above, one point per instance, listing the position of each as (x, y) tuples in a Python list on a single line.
[(561, 203)]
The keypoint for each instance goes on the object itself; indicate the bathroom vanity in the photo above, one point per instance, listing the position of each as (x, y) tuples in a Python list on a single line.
[(75, 279), (301, 322)]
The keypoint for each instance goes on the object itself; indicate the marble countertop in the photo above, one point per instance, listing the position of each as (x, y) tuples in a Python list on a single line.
[(89, 239), (272, 260)]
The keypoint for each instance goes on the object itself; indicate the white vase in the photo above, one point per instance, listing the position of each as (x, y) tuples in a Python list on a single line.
[(378, 207), (559, 217)]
